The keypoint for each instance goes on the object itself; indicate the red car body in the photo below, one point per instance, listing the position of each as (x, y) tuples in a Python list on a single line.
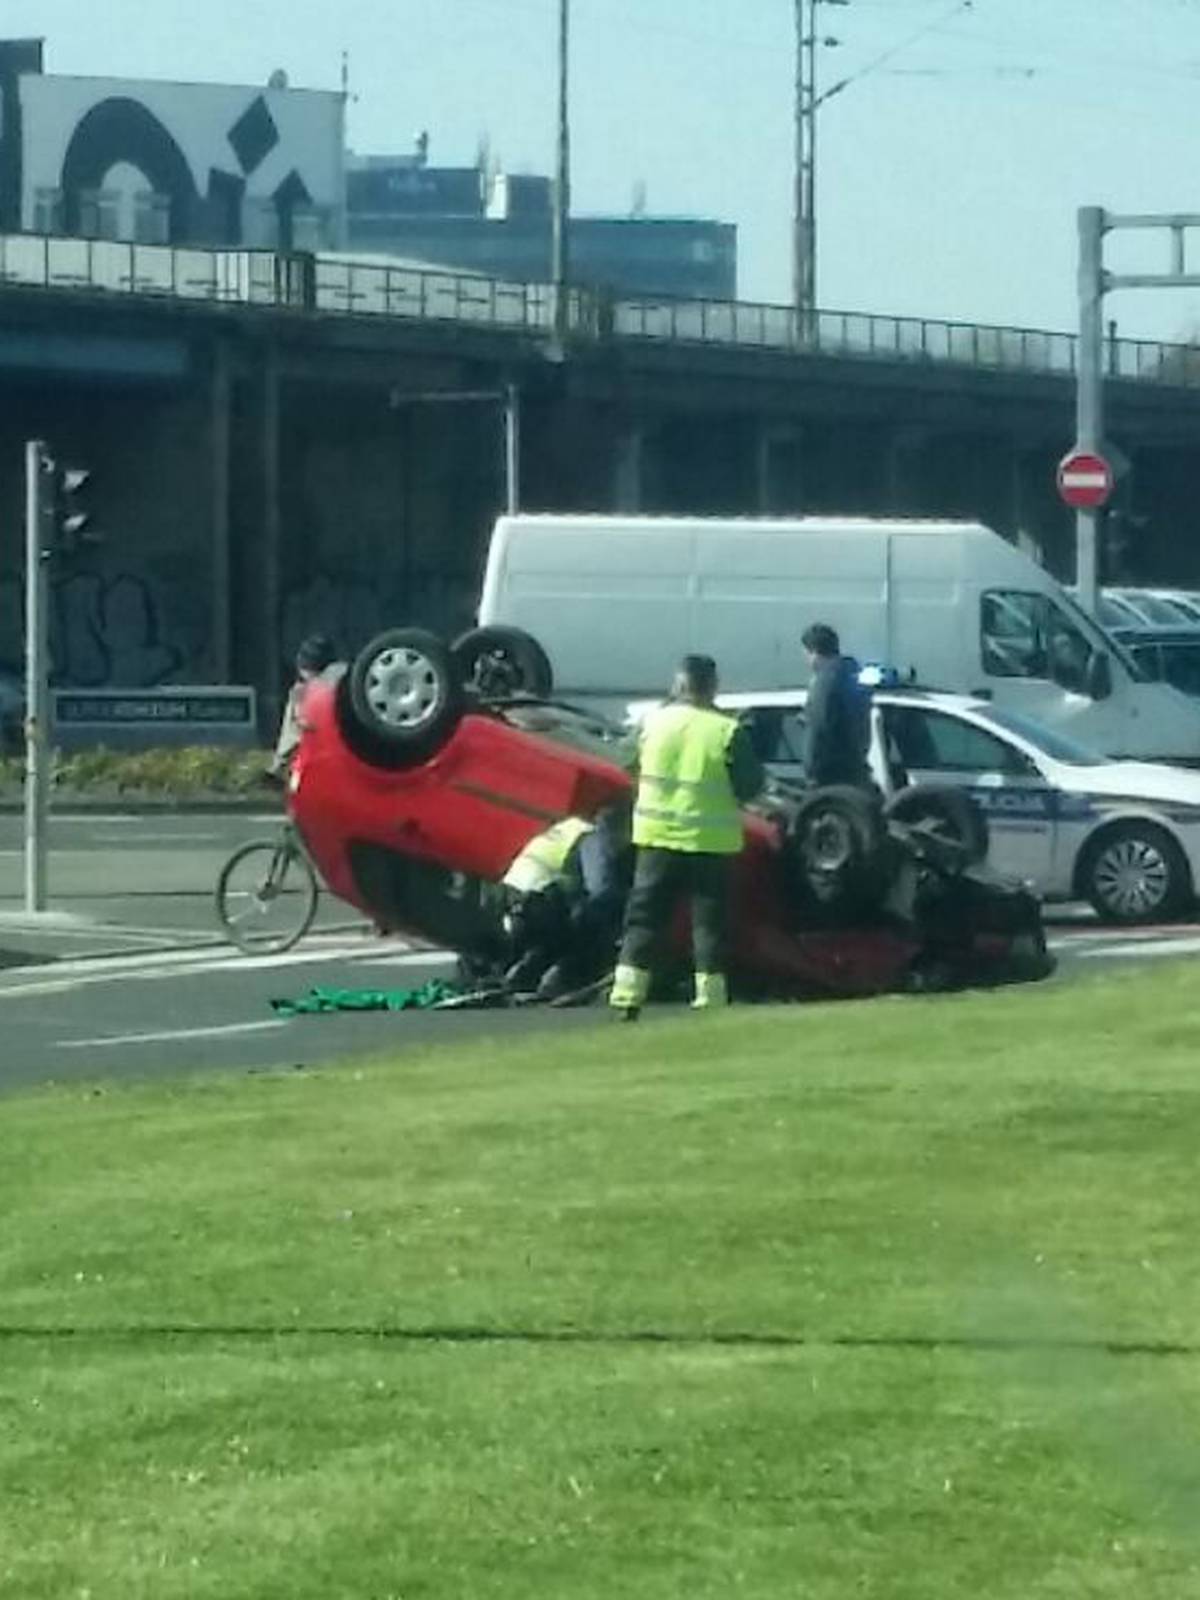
[(397, 842)]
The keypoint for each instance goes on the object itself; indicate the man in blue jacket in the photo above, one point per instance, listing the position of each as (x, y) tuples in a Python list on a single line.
[(837, 718)]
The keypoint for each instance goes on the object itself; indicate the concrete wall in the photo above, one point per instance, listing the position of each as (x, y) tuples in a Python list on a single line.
[(135, 611)]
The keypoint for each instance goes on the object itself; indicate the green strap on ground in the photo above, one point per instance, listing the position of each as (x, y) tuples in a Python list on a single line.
[(319, 1000)]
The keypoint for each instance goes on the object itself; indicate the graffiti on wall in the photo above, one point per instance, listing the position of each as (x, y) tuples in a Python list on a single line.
[(351, 610), (105, 629)]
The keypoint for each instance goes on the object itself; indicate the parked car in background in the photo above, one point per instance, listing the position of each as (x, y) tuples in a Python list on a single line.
[(1165, 655), (1124, 835), (1119, 608), (1156, 608), (1186, 601)]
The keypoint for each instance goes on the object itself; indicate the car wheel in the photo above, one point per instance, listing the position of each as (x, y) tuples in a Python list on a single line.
[(836, 840), (1135, 872), (950, 815), (496, 663), (403, 697)]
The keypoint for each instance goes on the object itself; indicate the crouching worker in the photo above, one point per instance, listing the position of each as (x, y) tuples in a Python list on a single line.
[(695, 766), (566, 893)]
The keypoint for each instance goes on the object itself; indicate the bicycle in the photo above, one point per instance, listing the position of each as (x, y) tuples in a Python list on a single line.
[(267, 893)]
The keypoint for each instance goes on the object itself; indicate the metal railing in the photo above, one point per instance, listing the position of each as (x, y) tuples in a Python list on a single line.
[(343, 286)]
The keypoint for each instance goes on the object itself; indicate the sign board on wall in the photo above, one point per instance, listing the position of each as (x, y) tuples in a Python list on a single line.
[(139, 718)]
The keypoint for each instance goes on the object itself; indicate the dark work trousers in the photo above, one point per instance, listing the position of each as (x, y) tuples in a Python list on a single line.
[(660, 880)]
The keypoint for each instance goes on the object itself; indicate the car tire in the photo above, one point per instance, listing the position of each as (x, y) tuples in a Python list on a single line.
[(497, 663), (401, 699), (949, 813), (1135, 872), (837, 844)]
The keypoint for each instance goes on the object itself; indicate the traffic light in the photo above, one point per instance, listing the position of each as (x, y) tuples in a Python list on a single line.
[(73, 526)]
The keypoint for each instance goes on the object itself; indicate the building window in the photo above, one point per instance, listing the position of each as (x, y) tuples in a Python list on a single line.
[(151, 217), (48, 211), (307, 230), (100, 214)]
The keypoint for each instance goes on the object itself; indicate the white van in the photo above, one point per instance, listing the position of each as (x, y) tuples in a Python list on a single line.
[(616, 601)]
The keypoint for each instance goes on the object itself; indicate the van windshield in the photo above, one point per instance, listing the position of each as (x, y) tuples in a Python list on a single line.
[(1100, 637)]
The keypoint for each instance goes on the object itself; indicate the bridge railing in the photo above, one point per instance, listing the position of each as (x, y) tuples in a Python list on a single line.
[(349, 286)]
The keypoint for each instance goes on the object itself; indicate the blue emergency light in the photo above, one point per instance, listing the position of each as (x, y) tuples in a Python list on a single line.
[(874, 675)]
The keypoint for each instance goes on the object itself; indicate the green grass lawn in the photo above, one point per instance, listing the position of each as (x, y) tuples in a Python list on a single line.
[(894, 1300)]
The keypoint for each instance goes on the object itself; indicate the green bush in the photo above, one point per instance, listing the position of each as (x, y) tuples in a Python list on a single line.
[(176, 772)]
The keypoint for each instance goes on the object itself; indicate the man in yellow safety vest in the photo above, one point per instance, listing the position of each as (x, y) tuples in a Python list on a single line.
[(695, 767), (565, 896)]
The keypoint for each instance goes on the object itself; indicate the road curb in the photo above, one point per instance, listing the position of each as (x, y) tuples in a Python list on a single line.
[(66, 805)]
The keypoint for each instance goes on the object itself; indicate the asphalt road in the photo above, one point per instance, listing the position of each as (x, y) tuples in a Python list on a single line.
[(156, 871), (133, 981)]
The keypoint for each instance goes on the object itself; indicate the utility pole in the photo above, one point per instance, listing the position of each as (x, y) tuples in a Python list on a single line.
[(804, 208), (804, 216), (560, 269)]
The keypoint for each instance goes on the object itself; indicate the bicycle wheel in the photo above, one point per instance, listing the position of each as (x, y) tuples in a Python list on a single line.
[(267, 896)]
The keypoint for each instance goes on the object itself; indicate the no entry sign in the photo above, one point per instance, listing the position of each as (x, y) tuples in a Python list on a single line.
[(1085, 480)]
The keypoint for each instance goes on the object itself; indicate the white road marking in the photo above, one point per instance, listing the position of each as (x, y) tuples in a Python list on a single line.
[(1142, 948), (171, 1035), (220, 840), (63, 976)]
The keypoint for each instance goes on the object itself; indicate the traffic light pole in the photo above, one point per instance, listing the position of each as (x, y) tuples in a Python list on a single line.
[(1094, 283), (37, 679), (1089, 394)]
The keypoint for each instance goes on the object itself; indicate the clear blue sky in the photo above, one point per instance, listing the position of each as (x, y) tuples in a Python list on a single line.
[(948, 175)]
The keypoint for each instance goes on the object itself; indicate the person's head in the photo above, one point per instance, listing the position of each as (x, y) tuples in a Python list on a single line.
[(696, 681), (315, 653), (820, 643)]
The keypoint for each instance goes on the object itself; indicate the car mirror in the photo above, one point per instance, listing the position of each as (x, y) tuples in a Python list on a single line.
[(1099, 676)]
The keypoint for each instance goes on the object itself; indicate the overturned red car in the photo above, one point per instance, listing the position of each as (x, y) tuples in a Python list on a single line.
[(425, 769)]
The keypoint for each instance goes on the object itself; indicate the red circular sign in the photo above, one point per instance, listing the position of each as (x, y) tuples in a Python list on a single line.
[(1085, 480)]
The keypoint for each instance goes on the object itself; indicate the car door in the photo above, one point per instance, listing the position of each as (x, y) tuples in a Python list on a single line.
[(935, 746)]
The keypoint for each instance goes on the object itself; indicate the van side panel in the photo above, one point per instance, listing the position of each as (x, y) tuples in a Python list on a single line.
[(757, 592), (933, 622), (612, 606), (616, 601)]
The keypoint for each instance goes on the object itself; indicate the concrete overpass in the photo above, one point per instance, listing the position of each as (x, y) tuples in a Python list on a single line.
[(269, 459)]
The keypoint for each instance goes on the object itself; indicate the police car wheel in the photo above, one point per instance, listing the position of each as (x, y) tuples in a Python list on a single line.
[(495, 663), (403, 698), (1134, 872)]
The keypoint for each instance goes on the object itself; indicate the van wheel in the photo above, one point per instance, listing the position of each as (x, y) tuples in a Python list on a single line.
[(837, 843), (1135, 872), (497, 663), (402, 698), (945, 814)]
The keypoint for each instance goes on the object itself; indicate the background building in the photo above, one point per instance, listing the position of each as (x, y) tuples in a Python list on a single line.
[(501, 225), (169, 163)]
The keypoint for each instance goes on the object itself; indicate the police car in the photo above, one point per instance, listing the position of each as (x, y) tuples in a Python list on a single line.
[(1068, 821)]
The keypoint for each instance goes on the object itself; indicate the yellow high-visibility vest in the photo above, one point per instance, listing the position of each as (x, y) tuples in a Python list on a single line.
[(543, 861), (685, 799)]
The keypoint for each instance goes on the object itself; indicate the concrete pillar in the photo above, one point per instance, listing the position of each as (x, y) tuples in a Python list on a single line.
[(763, 499), (272, 604), (904, 487), (219, 443), (627, 477), (1021, 509)]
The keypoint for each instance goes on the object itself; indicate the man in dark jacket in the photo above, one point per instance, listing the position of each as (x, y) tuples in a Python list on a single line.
[(837, 718)]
